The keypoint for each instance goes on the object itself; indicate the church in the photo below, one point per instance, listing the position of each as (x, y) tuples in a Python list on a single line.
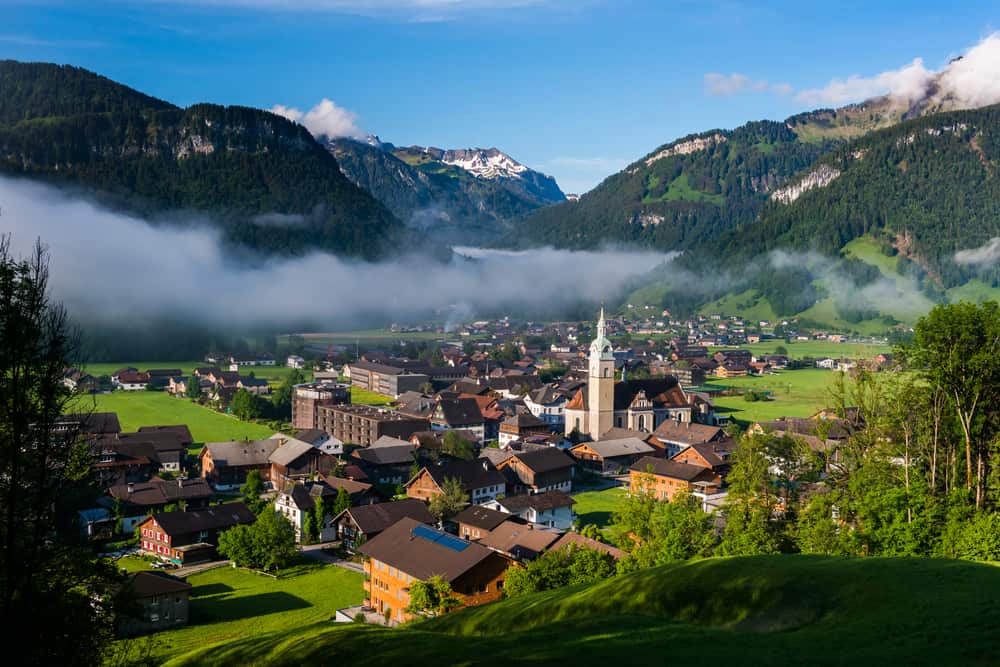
[(636, 405)]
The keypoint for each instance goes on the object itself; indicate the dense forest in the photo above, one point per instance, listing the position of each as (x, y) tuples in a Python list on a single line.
[(680, 195), (265, 180)]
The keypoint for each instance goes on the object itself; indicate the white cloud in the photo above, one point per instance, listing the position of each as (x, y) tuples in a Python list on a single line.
[(906, 84), (324, 119), (968, 82), (112, 268), (988, 253), (724, 85), (974, 81)]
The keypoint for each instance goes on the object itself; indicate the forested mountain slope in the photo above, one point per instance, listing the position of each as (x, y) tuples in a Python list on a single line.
[(263, 179)]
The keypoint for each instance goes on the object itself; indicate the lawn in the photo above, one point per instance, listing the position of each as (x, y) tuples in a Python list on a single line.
[(798, 393), (228, 605), (816, 349), (763, 610), (274, 374), (150, 408), (361, 396), (596, 507)]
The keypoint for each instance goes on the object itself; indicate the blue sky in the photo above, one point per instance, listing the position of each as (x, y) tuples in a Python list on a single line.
[(576, 89)]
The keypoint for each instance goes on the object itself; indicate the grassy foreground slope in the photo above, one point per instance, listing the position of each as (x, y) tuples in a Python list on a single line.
[(737, 611)]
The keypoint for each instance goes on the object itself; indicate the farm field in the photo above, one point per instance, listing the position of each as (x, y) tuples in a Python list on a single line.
[(274, 374), (149, 408), (229, 605), (798, 393)]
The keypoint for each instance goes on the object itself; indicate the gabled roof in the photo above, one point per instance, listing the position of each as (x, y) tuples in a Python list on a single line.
[(712, 452), (213, 518), (163, 492), (576, 539), (521, 540), (524, 420), (473, 474), (423, 552), (686, 433), (147, 583), (390, 455), (481, 517), (180, 431), (540, 502), (376, 518), (289, 450), (495, 455), (353, 486), (673, 469), (313, 436), (621, 447), (543, 459), (93, 423), (389, 441), (242, 452), (459, 412)]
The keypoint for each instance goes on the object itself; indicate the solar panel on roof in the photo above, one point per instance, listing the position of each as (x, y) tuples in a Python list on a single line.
[(444, 539)]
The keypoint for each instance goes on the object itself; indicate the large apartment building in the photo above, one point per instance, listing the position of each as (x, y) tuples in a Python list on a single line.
[(307, 399), (364, 424)]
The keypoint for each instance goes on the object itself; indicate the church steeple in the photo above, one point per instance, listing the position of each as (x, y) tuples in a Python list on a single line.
[(601, 348), (601, 382)]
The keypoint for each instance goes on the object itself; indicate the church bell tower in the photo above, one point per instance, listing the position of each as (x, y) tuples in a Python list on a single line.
[(601, 383)]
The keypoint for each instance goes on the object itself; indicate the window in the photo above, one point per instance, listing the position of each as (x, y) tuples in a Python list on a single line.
[(482, 588), (154, 617), (500, 585), (642, 422)]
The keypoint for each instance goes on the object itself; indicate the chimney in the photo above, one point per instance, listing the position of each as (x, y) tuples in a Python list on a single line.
[(130, 488)]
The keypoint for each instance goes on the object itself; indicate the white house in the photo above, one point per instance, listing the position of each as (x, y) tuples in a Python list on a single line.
[(295, 503), (295, 361), (552, 508)]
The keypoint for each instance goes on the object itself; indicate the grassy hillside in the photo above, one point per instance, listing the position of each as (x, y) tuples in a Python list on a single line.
[(740, 611)]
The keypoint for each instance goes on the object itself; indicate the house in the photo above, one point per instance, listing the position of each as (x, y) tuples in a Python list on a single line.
[(299, 500), (136, 501), (675, 436), (551, 508), (226, 464), (520, 540), (295, 460), (827, 363), (732, 369), (610, 457), (94, 423), (361, 493), (257, 386), (576, 540), (389, 465), (295, 361), (130, 381), (186, 537), (357, 525), (475, 521), (452, 414), (520, 426), (480, 480), (116, 462), (161, 602), (77, 381), (664, 479), (538, 470), (714, 455), (411, 551)]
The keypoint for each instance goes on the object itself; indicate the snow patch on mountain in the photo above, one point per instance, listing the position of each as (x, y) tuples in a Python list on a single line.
[(487, 163)]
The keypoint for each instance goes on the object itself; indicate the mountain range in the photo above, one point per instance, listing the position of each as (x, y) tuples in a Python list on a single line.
[(456, 196)]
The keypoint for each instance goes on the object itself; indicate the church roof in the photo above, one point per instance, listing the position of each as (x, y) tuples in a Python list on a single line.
[(663, 392)]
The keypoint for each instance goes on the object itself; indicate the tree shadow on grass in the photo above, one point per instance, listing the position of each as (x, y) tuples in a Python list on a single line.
[(230, 608), (599, 518)]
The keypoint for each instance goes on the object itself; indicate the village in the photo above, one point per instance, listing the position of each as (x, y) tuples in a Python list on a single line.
[(476, 458)]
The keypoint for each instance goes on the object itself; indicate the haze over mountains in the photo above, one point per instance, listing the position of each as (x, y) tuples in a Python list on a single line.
[(912, 174)]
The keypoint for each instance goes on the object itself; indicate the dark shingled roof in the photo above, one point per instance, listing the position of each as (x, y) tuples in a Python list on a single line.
[(673, 469), (390, 455), (213, 518), (474, 474), (376, 518), (180, 431), (481, 517), (312, 435), (147, 583), (537, 501), (93, 423), (460, 412), (686, 433), (545, 459), (163, 492)]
